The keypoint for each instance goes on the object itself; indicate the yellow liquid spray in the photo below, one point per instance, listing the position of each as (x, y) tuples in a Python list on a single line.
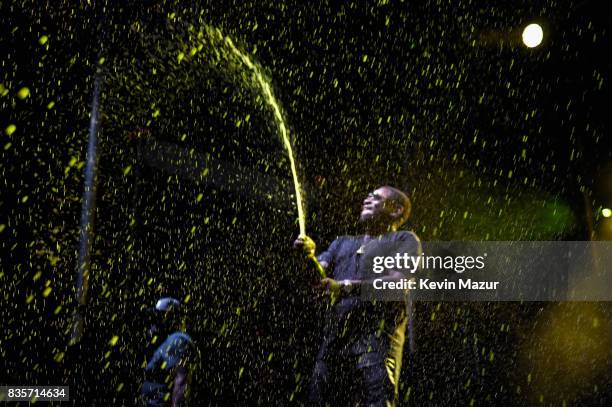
[(269, 96)]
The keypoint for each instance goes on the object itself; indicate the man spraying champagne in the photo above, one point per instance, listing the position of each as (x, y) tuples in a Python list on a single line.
[(361, 354)]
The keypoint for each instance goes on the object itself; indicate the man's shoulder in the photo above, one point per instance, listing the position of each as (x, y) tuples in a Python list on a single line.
[(403, 240), (345, 239), (178, 340), (400, 235), (405, 235), (178, 344), (180, 336), (348, 238)]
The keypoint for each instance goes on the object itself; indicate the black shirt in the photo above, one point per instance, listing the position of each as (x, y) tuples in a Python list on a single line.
[(350, 258)]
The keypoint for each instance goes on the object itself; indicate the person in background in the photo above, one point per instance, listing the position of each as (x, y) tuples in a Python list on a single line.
[(168, 371)]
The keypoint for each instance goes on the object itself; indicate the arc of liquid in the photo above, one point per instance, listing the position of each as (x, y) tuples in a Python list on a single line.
[(269, 96)]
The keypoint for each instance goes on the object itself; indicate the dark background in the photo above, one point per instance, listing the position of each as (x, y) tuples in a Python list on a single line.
[(492, 140)]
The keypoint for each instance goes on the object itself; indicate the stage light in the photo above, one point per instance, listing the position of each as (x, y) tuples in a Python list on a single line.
[(606, 212), (532, 35)]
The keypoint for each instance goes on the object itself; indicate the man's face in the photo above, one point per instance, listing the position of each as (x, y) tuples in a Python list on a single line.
[(377, 206)]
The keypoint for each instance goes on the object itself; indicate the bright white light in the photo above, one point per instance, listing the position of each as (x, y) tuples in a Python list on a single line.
[(532, 35), (606, 212)]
